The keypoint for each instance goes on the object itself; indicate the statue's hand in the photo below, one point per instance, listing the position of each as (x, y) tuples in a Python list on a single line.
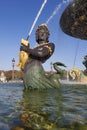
[(24, 48)]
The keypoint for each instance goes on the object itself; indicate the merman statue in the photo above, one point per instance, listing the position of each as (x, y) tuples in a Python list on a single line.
[(34, 73)]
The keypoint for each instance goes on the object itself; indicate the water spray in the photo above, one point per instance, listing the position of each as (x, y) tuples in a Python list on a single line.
[(66, 1), (49, 19), (56, 10), (54, 13), (45, 1)]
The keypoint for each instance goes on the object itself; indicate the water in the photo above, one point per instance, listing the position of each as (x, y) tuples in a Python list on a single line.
[(65, 107)]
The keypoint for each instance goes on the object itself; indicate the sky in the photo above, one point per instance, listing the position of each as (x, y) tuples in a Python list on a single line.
[(16, 20)]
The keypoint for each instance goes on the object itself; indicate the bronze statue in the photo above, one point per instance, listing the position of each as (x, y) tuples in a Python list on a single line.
[(34, 74)]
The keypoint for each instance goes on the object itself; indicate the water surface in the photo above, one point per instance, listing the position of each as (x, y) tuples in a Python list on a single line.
[(66, 106)]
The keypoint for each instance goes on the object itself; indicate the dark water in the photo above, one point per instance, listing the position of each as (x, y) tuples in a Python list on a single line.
[(66, 106)]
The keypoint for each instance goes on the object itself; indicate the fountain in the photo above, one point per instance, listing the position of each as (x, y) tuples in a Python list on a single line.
[(74, 19), (34, 73)]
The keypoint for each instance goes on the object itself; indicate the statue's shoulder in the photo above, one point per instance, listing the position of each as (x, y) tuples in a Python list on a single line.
[(51, 45)]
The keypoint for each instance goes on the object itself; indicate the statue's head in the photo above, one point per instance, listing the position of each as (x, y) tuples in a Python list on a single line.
[(85, 57), (85, 61), (42, 34)]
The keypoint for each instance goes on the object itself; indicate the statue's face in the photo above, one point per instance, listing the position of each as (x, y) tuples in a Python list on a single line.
[(42, 35)]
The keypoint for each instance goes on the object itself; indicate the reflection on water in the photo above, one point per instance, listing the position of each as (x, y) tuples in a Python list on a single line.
[(65, 107)]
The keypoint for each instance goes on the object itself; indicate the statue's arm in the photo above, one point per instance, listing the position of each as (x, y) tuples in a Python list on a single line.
[(41, 51)]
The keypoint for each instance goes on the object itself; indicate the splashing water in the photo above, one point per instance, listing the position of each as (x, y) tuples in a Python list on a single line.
[(45, 1)]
